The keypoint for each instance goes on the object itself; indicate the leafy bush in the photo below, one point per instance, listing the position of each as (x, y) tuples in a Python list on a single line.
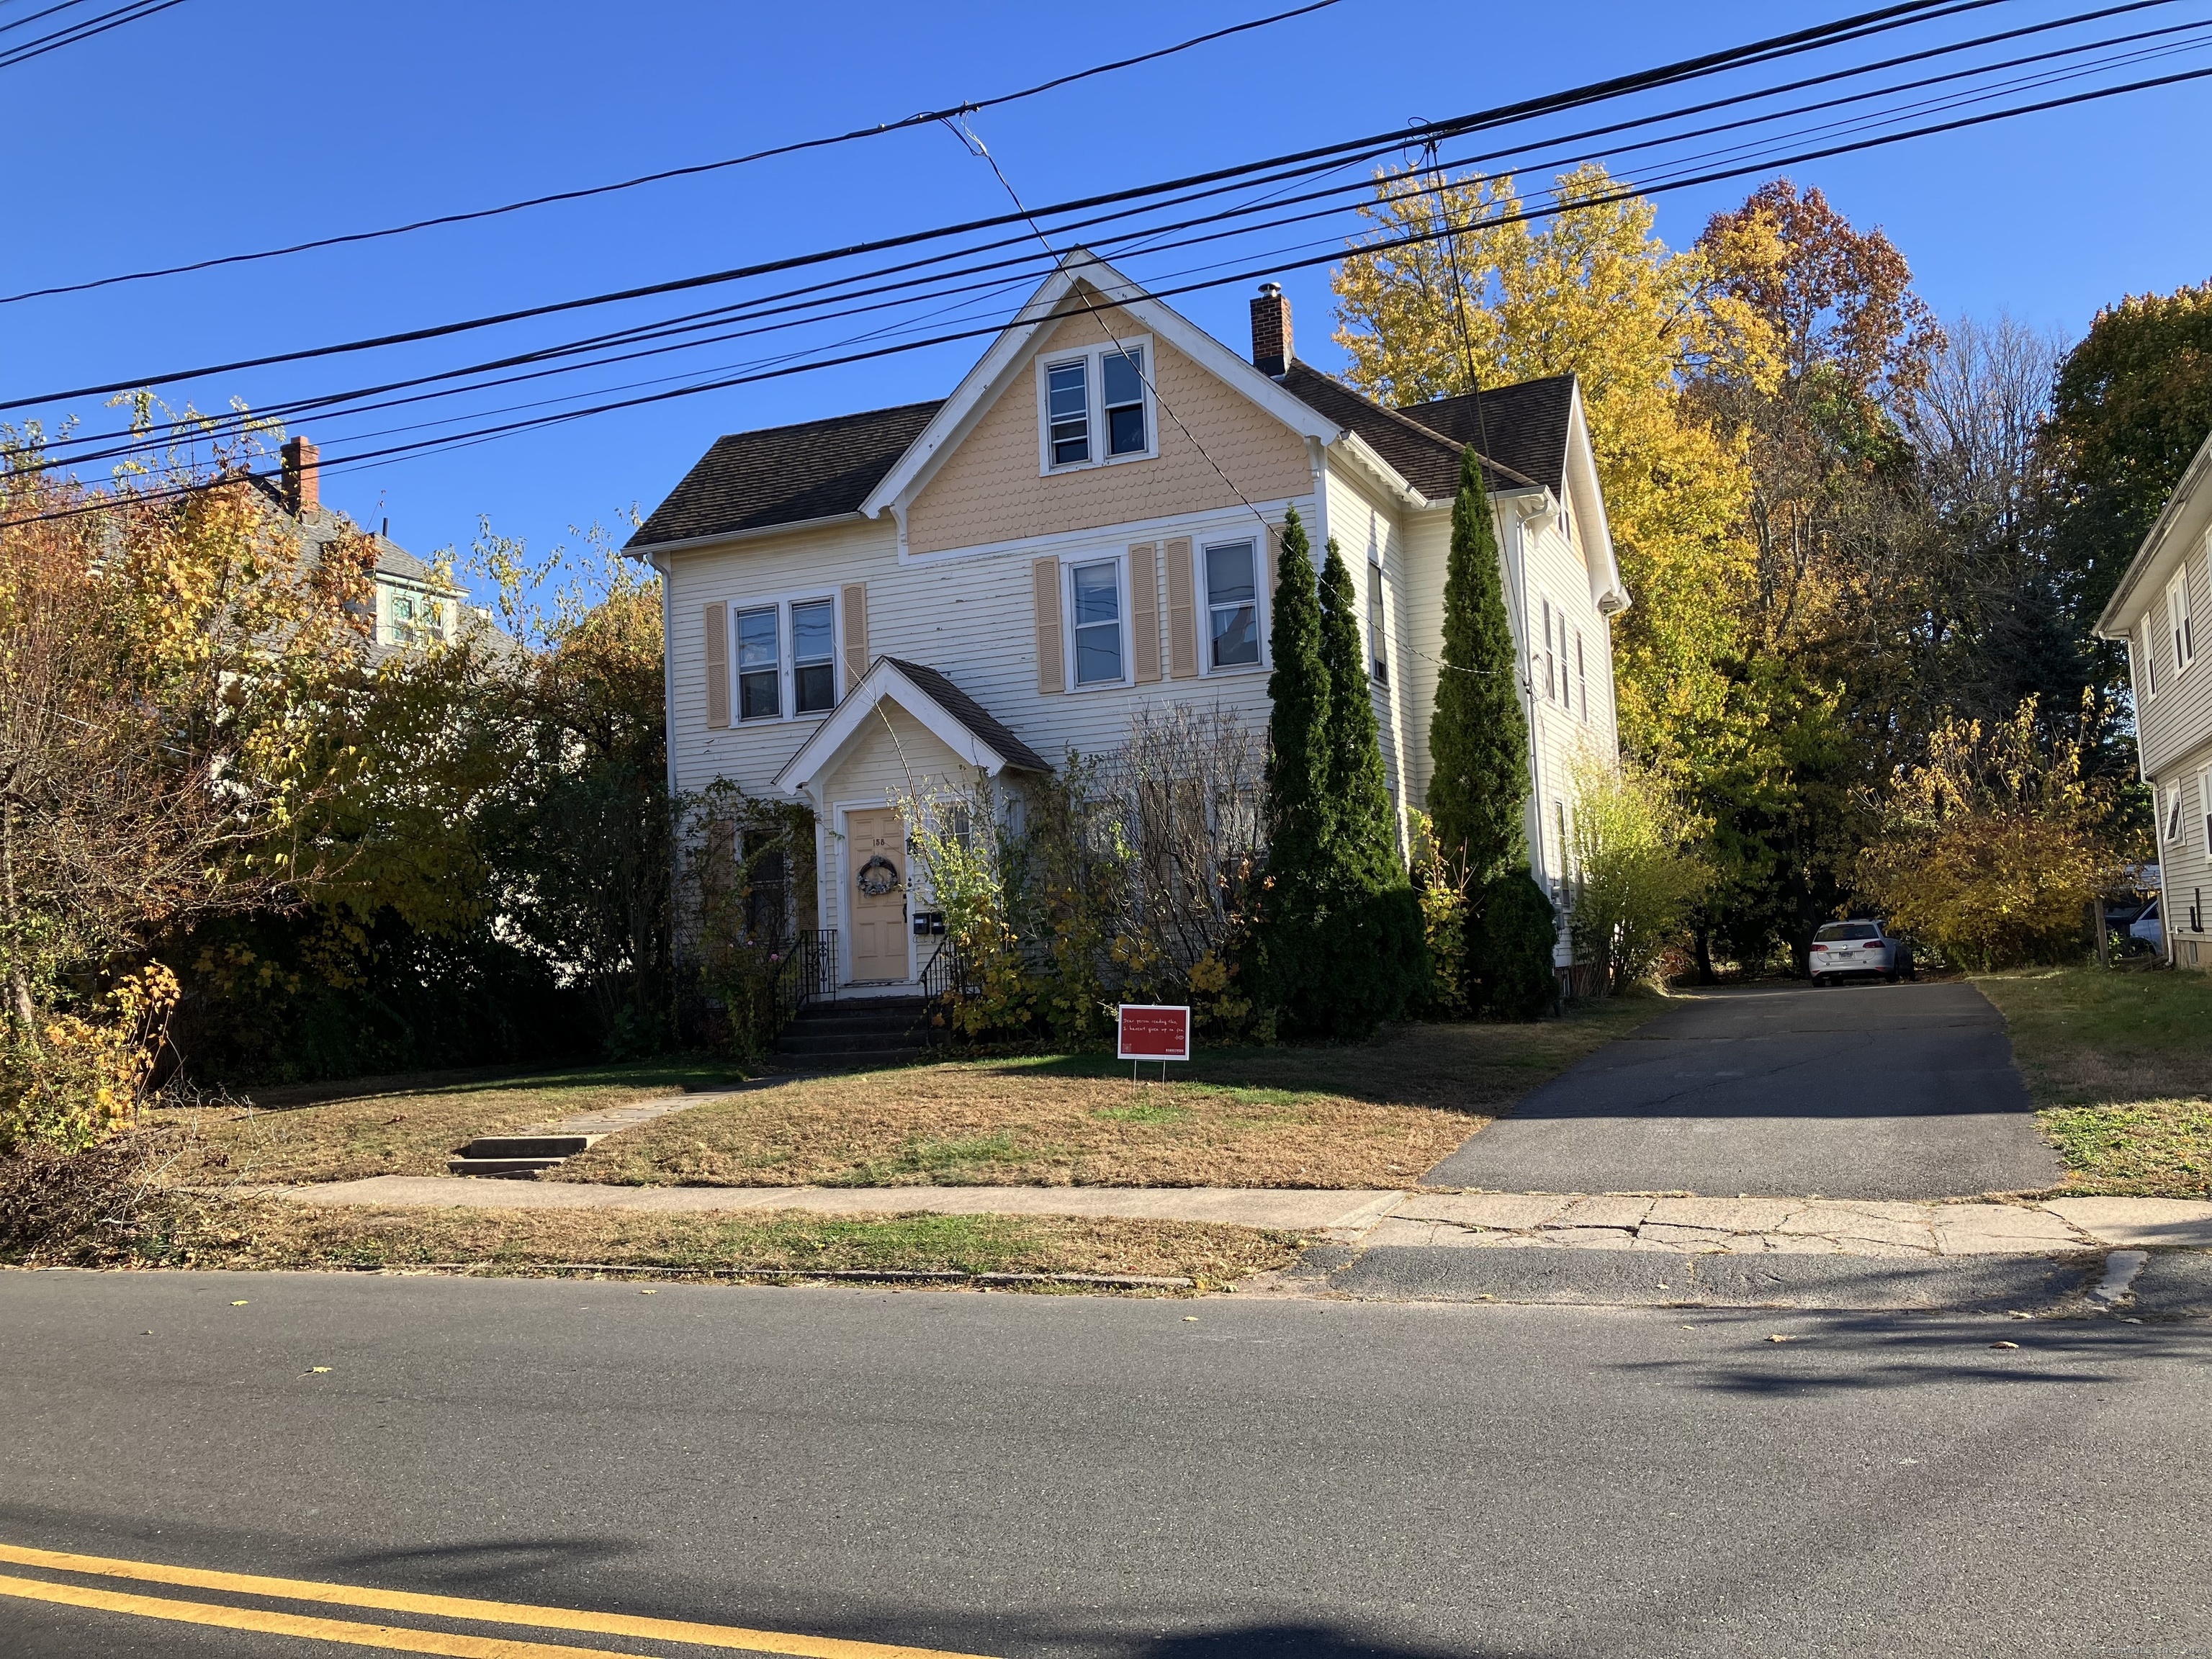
[(1635, 878), (1993, 849), (74, 1082)]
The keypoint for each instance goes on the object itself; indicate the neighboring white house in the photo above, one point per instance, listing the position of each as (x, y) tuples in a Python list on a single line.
[(1089, 525), (2160, 610)]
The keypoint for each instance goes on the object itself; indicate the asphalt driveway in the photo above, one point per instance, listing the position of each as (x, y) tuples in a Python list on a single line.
[(1874, 1091)]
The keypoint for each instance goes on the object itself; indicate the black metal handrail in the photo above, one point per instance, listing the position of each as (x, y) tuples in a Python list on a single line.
[(809, 974), (945, 978)]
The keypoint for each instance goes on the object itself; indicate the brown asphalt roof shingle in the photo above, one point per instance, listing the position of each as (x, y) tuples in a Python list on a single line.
[(1523, 426), (784, 475), (1422, 457)]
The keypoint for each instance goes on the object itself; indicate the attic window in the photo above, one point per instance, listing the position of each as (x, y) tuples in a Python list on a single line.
[(1070, 412), (1124, 377)]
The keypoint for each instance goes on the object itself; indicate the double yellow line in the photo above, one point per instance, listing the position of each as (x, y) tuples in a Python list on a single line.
[(397, 1637)]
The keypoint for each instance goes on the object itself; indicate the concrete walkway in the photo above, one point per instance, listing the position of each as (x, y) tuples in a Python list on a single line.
[(1377, 1219)]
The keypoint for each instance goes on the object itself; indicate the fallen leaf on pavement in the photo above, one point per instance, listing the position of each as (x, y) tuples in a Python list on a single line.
[(238, 1304), (2004, 1344), (2015, 1313), (1780, 1339), (1190, 1319), (316, 1370), (647, 1290)]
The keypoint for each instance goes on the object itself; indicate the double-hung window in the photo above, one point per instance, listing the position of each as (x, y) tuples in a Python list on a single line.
[(760, 666), (813, 657), (2179, 622), (1546, 661), (2147, 659), (1122, 370), (2204, 807), (1068, 395), (1232, 605), (1097, 405), (1096, 610), (1582, 674), (1378, 651), (2173, 811)]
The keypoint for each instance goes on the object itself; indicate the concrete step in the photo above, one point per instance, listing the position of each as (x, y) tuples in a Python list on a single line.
[(503, 1168), (553, 1147)]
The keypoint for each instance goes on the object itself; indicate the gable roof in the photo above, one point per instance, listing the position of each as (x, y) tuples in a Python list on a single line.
[(1424, 457), (1062, 294), (1524, 427), (972, 714), (2114, 622), (950, 714), (784, 475)]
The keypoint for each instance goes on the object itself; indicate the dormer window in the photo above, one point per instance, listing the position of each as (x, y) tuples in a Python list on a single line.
[(1096, 406)]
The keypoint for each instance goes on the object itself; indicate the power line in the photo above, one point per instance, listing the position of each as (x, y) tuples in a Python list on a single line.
[(1853, 27), (815, 297), (921, 119), (760, 307), (488, 434), (40, 45)]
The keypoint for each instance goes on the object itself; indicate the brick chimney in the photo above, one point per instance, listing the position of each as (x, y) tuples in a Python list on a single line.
[(302, 481), (1271, 331)]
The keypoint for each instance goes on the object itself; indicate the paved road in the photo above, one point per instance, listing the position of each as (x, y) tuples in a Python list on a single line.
[(1039, 1477), (1874, 1091)]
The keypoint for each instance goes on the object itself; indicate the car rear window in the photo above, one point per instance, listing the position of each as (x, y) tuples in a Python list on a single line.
[(1846, 930)]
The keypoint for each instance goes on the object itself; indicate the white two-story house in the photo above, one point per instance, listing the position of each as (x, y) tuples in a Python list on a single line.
[(858, 606), (2154, 609)]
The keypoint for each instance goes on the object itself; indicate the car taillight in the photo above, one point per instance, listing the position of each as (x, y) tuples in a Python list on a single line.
[(1820, 947)]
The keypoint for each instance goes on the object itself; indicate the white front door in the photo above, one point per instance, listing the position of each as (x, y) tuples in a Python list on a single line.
[(875, 894)]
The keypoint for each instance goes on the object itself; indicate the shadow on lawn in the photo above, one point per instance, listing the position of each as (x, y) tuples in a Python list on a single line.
[(678, 1074)]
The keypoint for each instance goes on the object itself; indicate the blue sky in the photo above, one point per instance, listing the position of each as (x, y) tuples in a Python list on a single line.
[(221, 125)]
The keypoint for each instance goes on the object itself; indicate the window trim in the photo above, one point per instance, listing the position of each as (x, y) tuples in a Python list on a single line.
[(1069, 564), (785, 655), (1094, 356), (1581, 673), (1378, 622), (2180, 622), (2204, 811), (1200, 545), (2171, 817), (2148, 663)]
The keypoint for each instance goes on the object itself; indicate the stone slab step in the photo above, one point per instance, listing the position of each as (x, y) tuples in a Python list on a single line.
[(503, 1168), (528, 1145)]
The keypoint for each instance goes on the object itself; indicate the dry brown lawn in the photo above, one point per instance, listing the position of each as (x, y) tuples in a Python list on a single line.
[(387, 1127), (185, 1231), (1375, 1114)]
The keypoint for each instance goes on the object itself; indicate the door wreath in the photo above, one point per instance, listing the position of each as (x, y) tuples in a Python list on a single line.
[(877, 877)]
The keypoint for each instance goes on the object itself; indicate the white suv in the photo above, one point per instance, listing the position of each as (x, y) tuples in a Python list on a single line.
[(1842, 948)]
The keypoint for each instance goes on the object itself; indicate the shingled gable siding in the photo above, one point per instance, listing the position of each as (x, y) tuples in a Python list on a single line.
[(989, 490)]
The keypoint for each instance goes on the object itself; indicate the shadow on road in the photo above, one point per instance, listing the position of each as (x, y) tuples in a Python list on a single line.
[(1931, 1353)]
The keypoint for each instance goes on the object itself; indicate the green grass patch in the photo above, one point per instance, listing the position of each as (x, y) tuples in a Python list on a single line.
[(2120, 1068)]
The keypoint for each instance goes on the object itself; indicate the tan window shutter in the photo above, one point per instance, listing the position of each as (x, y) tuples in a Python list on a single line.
[(1052, 667), (1144, 611), (718, 665), (1183, 612), (855, 607)]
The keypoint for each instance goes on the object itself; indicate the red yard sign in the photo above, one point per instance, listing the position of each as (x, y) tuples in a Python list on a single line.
[(1153, 1031)]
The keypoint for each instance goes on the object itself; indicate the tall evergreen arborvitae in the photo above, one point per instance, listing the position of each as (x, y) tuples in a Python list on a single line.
[(1479, 735), (1378, 956), (1301, 821), (1367, 822)]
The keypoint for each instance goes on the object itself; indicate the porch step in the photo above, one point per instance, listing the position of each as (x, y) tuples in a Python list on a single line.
[(879, 1029)]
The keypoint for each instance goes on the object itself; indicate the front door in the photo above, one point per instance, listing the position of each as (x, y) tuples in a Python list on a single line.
[(875, 894)]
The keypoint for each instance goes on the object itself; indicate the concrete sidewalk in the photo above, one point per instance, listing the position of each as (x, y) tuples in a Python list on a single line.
[(1676, 1225)]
